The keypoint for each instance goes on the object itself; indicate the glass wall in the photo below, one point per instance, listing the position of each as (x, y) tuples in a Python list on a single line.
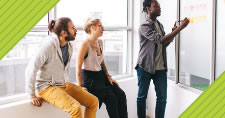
[(220, 42), (168, 18), (196, 43)]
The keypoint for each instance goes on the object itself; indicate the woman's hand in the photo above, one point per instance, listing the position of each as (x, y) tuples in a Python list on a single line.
[(36, 101), (112, 80), (109, 78)]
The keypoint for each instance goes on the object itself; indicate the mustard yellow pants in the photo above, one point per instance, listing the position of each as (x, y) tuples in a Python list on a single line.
[(69, 98)]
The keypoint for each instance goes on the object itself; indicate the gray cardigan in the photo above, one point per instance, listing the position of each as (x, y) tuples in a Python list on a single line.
[(47, 67), (148, 44)]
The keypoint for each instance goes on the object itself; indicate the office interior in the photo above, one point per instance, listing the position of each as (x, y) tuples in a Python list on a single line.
[(196, 58)]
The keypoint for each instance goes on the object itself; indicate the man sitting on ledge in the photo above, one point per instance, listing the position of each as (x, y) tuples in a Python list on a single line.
[(47, 74)]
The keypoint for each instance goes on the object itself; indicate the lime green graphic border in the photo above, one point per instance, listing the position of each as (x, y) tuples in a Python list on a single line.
[(210, 104), (17, 18)]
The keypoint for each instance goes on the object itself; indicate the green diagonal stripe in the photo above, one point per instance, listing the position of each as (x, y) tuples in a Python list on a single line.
[(17, 18), (210, 104)]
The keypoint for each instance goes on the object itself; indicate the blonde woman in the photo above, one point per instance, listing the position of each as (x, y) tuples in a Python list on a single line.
[(92, 73)]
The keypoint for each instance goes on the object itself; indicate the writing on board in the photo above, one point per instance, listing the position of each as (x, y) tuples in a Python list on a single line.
[(197, 19)]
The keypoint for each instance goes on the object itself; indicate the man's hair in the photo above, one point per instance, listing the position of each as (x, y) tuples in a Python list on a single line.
[(57, 26), (146, 3), (90, 22)]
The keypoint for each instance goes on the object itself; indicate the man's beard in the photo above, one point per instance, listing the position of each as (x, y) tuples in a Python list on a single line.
[(69, 37)]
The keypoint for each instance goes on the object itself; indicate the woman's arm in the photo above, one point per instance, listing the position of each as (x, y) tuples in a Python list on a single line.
[(103, 62), (80, 59), (108, 75), (106, 70)]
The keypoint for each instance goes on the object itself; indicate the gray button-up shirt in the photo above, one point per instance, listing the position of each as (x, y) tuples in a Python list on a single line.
[(149, 37)]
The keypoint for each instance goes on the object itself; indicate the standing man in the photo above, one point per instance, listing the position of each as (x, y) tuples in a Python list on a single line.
[(152, 62), (47, 74)]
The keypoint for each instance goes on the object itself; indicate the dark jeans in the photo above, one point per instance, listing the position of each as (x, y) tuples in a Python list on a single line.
[(112, 95), (160, 82), (114, 99)]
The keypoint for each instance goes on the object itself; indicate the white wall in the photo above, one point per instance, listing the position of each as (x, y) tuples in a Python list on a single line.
[(24, 109)]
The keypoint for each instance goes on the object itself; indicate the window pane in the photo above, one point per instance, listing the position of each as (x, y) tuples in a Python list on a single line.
[(168, 18), (195, 43), (26, 47), (220, 42), (13, 65), (111, 12), (115, 51)]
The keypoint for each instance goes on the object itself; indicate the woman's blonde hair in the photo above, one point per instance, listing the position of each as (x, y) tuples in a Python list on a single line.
[(89, 23)]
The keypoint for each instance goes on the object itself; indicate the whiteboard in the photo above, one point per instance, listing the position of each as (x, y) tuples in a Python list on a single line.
[(196, 39)]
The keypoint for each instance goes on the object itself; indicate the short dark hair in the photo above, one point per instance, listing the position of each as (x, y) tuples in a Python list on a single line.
[(146, 3), (57, 26)]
